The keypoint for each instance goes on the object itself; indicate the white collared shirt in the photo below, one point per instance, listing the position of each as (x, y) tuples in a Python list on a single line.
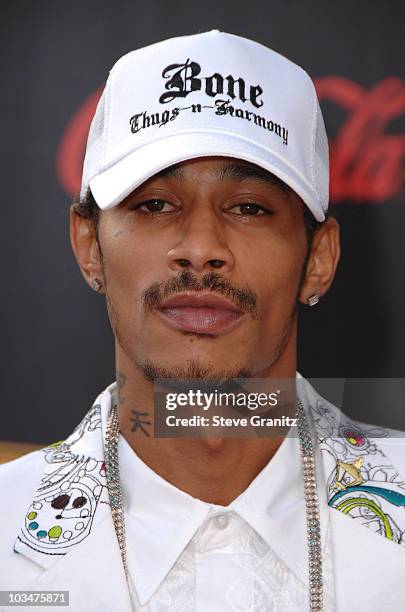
[(187, 555), (181, 555)]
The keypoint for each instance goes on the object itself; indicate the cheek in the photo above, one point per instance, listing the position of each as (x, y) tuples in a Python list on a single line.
[(130, 265), (273, 266)]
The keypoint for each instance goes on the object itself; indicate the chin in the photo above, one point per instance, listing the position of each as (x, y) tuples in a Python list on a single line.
[(193, 369)]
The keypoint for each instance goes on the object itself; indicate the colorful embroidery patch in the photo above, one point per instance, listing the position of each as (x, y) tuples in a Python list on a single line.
[(361, 483), (62, 511)]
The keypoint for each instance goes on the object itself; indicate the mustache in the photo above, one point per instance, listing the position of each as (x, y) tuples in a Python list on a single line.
[(243, 297)]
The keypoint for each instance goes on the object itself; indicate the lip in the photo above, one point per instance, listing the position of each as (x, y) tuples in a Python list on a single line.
[(204, 313)]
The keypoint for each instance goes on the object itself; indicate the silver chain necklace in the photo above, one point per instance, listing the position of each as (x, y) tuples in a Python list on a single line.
[(310, 492)]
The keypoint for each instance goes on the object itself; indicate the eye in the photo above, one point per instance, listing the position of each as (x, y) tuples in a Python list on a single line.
[(251, 210), (153, 206)]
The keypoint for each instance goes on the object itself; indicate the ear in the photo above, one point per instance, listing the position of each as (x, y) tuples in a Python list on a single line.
[(322, 261), (86, 248)]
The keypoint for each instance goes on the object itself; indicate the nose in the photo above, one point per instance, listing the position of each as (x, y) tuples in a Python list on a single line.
[(202, 244)]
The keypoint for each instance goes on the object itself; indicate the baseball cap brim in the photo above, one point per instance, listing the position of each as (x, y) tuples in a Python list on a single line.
[(115, 183)]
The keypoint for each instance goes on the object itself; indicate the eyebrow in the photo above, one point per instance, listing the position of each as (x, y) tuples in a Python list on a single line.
[(243, 172), (231, 171), (175, 171)]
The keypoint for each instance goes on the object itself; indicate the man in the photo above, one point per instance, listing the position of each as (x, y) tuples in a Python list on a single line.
[(203, 221)]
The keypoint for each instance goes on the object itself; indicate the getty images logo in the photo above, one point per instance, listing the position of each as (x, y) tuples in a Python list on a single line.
[(183, 79)]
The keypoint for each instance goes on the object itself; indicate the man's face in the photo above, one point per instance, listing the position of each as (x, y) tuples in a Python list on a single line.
[(208, 227)]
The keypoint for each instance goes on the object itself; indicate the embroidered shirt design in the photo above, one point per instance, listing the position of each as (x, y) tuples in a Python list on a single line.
[(361, 482), (72, 495), (71, 490)]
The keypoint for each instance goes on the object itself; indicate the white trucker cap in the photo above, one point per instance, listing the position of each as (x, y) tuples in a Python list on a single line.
[(210, 94)]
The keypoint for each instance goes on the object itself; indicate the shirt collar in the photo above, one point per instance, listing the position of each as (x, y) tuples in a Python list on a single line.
[(161, 519)]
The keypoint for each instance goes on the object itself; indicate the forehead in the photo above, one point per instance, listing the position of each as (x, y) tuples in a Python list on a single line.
[(220, 169)]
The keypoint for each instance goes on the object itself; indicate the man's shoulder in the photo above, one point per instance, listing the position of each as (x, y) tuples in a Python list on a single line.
[(19, 478), (385, 435), (389, 440), (21, 465), (393, 446), (352, 436)]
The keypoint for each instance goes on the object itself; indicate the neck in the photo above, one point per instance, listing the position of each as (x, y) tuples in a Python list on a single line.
[(215, 470)]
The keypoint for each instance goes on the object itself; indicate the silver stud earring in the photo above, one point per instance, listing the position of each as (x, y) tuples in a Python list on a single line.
[(96, 284), (313, 299)]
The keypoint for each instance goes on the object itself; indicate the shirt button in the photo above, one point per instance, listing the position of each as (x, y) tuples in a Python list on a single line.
[(221, 521)]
